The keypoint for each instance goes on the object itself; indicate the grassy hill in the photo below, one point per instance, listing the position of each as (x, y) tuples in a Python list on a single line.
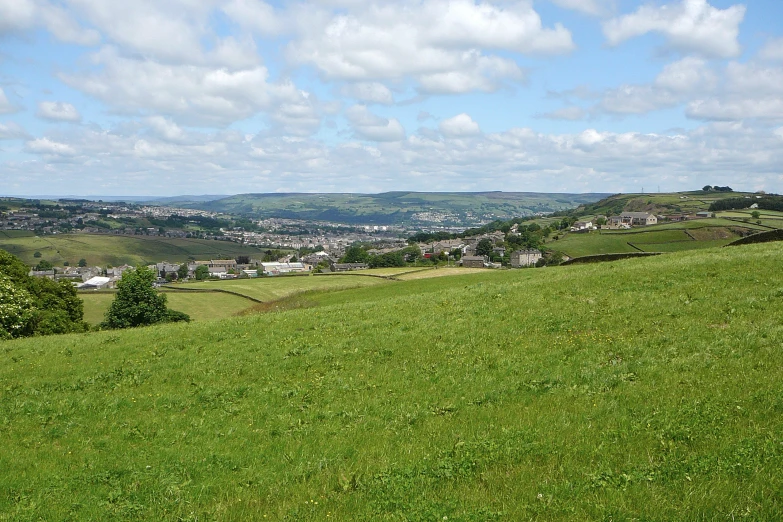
[(395, 207), (102, 250), (646, 389)]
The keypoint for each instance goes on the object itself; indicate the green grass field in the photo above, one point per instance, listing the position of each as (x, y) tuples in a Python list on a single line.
[(666, 237), (102, 250), (645, 389), (200, 306)]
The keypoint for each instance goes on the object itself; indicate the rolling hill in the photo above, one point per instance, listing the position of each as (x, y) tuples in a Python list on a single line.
[(645, 389), (454, 208)]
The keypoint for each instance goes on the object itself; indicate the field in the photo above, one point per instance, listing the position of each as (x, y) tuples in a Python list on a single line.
[(666, 237), (102, 250), (646, 389), (206, 306)]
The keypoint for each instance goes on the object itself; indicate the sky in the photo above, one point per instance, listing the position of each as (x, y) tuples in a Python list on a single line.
[(172, 97)]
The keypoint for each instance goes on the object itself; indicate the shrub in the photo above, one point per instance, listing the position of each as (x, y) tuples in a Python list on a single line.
[(16, 309)]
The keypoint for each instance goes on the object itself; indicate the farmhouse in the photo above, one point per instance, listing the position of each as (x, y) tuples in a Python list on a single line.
[(528, 257), (582, 225), (474, 261), (638, 218)]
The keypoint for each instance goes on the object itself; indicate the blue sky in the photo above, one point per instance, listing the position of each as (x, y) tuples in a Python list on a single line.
[(168, 97)]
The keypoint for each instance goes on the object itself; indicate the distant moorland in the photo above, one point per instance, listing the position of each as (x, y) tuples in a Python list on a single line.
[(454, 208)]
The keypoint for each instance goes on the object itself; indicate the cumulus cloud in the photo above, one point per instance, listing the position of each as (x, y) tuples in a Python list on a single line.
[(591, 7), (48, 147), (12, 131), (688, 25), (572, 113), (368, 126), (460, 126), (772, 50), (58, 111), (192, 94), (6, 106), (514, 159), (749, 91), (436, 42), (676, 83), (21, 15), (369, 92)]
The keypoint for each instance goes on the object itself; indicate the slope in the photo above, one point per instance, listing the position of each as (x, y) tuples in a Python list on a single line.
[(645, 389)]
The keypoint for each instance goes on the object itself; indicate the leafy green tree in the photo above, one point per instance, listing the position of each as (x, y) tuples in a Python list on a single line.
[(82, 262), (355, 254), (55, 306), (202, 273), (755, 214), (182, 272), (137, 303), (484, 247), (16, 309), (706, 188), (37, 255), (43, 264)]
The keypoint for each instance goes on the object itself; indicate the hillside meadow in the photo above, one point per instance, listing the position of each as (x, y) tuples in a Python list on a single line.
[(645, 389), (105, 249)]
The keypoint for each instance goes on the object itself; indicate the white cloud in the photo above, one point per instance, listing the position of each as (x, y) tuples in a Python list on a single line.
[(460, 126), (689, 25), (676, 83), (369, 92), (436, 42), (772, 50), (572, 113), (368, 126), (256, 15), (21, 15), (16, 15), (191, 94), (720, 153), (591, 7), (6, 106), (12, 131), (58, 111), (748, 91), (779, 132), (50, 148), (732, 109)]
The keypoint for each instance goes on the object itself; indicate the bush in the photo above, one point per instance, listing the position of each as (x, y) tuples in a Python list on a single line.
[(16, 309), (137, 303)]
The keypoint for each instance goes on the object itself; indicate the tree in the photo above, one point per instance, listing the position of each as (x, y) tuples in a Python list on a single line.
[(706, 188), (755, 214), (55, 307), (37, 255), (16, 308), (43, 264), (355, 254), (182, 272), (137, 303), (82, 262), (202, 272), (484, 247)]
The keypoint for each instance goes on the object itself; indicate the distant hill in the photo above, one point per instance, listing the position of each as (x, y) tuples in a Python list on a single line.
[(447, 208)]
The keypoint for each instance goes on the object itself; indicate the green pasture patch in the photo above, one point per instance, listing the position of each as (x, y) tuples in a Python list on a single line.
[(102, 250), (200, 306), (643, 389), (273, 288)]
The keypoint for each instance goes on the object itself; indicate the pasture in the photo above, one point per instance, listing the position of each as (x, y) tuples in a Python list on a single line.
[(102, 250), (644, 389)]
